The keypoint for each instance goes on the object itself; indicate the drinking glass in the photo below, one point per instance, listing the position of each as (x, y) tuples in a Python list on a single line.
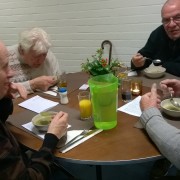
[(62, 80), (85, 106), (126, 90)]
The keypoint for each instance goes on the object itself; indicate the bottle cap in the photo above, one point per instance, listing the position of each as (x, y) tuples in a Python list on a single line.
[(62, 90)]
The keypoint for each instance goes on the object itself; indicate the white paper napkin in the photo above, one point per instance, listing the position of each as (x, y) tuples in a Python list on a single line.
[(38, 104), (132, 73), (52, 91), (84, 87), (132, 108), (80, 141)]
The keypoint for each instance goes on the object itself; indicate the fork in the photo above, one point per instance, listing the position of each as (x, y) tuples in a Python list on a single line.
[(76, 137)]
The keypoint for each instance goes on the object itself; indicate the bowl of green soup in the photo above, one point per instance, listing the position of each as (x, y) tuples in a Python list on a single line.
[(170, 109), (41, 121)]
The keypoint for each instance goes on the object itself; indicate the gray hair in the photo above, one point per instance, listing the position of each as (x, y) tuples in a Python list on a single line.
[(36, 39)]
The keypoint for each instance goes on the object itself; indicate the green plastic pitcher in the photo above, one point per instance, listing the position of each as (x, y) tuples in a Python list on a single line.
[(104, 97)]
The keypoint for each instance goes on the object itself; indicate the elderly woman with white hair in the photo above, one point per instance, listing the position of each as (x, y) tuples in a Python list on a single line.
[(35, 66)]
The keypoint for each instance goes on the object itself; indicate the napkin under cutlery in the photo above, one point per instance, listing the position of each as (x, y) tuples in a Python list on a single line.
[(64, 140), (79, 139)]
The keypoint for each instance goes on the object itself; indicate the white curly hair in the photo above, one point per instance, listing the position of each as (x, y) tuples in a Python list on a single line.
[(36, 39)]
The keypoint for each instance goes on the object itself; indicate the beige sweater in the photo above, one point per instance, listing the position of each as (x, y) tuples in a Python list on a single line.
[(24, 73)]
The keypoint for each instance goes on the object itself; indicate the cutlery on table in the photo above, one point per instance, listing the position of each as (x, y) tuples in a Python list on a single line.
[(84, 134), (76, 137)]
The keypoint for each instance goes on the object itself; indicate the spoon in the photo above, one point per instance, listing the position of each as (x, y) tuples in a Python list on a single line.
[(156, 62), (173, 102)]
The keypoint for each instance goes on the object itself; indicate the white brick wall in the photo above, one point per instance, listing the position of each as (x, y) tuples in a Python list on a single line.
[(77, 27)]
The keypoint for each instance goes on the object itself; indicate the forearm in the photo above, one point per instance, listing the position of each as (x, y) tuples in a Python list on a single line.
[(165, 136), (17, 165), (41, 162)]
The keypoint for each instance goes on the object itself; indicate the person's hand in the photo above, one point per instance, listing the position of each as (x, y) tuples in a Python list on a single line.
[(138, 60), (150, 99), (43, 82), (170, 85), (16, 90), (58, 125)]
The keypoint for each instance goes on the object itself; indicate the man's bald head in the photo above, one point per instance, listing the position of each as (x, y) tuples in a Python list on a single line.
[(169, 3), (170, 14), (5, 71), (3, 52)]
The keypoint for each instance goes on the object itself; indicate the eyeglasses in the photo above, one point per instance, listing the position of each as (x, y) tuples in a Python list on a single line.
[(167, 21)]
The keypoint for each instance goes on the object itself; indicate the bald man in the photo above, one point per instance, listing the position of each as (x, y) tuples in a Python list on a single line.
[(13, 162), (164, 42)]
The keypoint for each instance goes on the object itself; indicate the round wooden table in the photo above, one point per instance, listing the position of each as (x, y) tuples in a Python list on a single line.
[(121, 145)]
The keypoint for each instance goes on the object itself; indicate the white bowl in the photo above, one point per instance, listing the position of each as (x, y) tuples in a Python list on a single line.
[(155, 71), (41, 121), (169, 109)]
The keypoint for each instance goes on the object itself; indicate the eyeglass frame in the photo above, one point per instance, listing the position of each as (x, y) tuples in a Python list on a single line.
[(167, 21)]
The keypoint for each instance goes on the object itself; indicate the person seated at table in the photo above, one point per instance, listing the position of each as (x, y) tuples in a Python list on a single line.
[(165, 136), (13, 162), (164, 42), (35, 65)]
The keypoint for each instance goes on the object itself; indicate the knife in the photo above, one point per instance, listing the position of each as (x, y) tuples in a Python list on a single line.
[(85, 135)]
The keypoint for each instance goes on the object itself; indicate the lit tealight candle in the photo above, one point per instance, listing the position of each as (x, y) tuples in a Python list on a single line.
[(136, 89)]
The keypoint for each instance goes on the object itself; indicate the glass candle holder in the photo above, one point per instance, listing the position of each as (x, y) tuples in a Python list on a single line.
[(136, 87)]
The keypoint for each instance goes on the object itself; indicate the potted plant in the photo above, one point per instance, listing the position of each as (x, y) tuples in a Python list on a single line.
[(99, 65)]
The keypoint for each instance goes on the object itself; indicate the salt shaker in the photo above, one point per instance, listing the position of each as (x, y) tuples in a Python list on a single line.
[(63, 96)]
